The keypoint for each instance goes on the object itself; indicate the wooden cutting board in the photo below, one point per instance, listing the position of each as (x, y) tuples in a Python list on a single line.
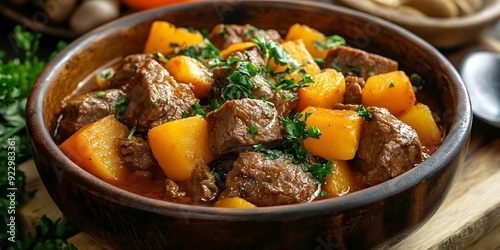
[(468, 218)]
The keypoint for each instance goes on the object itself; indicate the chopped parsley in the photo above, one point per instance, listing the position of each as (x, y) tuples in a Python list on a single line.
[(391, 85), (336, 66), (100, 94), (197, 110), (353, 69), (320, 171), (106, 74), (252, 130), (153, 104), (131, 134), (273, 49), (223, 32), (240, 83), (363, 112), (209, 52), (292, 147), (120, 107), (331, 42)]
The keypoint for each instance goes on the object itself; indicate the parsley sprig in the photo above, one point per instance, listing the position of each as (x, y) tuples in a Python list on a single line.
[(273, 50), (16, 79), (293, 147), (240, 83)]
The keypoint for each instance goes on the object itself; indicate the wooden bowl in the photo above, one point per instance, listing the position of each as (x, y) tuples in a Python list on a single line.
[(377, 216), (443, 33)]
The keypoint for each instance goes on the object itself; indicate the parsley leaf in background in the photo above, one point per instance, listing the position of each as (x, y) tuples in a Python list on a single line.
[(17, 76)]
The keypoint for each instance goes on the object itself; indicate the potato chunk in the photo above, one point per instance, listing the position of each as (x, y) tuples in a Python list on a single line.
[(95, 148), (340, 182), (340, 133), (165, 37), (234, 202), (391, 90), (310, 36), (327, 90), (179, 145), (420, 118), (188, 70)]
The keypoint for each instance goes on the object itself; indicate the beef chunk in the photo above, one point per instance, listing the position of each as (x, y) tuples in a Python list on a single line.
[(388, 147), (127, 67), (155, 97), (268, 182), (284, 100), (224, 35), (203, 186), (230, 126), (222, 166), (85, 109), (136, 154), (353, 88), (126, 70), (358, 62), (173, 192)]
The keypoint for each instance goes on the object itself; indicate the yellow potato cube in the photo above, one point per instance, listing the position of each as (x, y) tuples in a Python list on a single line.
[(327, 90), (179, 145), (186, 69), (340, 182), (310, 36), (340, 133), (234, 202), (165, 37), (420, 118), (94, 147), (391, 90)]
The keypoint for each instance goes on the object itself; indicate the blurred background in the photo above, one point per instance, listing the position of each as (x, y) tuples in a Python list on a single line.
[(450, 25)]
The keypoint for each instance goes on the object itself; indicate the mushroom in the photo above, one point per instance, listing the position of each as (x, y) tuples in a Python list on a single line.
[(58, 10), (92, 13)]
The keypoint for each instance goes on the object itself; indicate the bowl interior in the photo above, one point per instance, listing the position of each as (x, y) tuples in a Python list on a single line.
[(127, 35)]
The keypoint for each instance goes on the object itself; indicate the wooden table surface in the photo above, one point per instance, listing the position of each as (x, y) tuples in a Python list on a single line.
[(469, 218)]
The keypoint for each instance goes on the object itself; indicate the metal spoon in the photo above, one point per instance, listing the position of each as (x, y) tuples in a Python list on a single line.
[(481, 74)]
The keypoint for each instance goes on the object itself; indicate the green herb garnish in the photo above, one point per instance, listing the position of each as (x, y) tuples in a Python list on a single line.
[(331, 42), (120, 107), (273, 49), (17, 77), (240, 81), (100, 94), (252, 130), (131, 134), (363, 112)]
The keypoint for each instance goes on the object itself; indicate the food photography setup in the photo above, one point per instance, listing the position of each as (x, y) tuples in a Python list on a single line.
[(250, 124)]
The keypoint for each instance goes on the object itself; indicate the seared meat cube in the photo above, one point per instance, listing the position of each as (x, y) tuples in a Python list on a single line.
[(358, 62), (224, 35), (126, 70), (136, 154), (284, 100), (202, 184), (230, 127), (388, 147), (85, 109), (353, 88), (268, 182), (155, 97)]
